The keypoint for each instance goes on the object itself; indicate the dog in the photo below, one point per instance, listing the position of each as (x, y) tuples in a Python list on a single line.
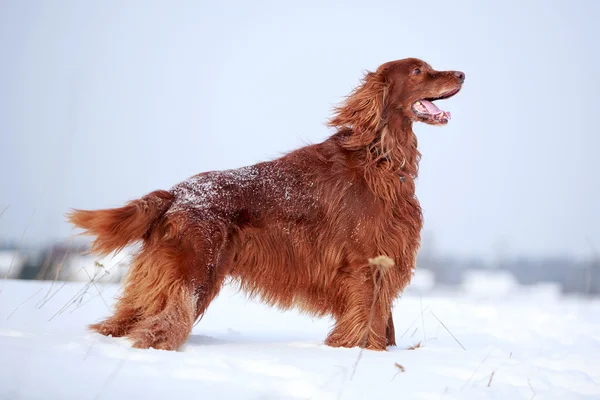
[(297, 231)]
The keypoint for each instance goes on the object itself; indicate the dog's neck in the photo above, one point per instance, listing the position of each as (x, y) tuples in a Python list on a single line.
[(392, 161), (398, 145)]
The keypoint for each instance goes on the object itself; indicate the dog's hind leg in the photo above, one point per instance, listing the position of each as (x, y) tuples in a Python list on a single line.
[(156, 307), (128, 309), (212, 268), (187, 276), (161, 289), (170, 328)]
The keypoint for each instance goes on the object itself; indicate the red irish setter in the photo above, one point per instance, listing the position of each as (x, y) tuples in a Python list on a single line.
[(297, 231)]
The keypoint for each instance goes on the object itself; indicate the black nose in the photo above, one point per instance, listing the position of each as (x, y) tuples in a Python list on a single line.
[(460, 75)]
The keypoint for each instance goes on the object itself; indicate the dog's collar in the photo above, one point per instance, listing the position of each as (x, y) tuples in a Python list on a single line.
[(377, 152)]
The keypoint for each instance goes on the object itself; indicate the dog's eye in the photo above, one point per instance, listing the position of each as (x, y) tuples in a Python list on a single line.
[(416, 71)]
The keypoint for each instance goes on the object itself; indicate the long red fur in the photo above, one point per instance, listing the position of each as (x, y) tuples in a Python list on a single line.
[(297, 231)]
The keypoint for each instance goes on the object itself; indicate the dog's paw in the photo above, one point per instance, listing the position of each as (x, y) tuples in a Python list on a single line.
[(109, 328), (158, 335), (340, 341)]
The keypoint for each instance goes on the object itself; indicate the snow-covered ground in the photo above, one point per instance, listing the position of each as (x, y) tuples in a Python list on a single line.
[(519, 343)]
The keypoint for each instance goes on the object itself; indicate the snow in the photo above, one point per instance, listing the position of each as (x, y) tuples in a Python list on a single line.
[(11, 263), (536, 343), (495, 282)]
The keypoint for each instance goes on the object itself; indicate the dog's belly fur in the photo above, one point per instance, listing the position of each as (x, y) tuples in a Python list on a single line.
[(299, 274)]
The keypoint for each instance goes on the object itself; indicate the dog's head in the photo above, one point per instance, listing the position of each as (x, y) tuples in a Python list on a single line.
[(406, 87), (414, 86)]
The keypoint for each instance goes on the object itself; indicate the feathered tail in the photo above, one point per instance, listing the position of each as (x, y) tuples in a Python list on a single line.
[(118, 227)]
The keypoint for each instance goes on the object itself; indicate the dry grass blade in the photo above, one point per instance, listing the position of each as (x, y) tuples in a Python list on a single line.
[(94, 283), (422, 317), (41, 275), (594, 264), (80, 293), (412, 323), (475, 371), (446, 328), (44, 301), (58, 269), (416, 346), (400, 369), (491, 377), (25, 301), (3, 211), (110, 378), (83, 303), (72, 300), (18, 250), (437, 332), (21, 241), (90, 349), (531, 387)]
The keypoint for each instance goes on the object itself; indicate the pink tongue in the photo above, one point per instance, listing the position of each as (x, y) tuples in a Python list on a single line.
[(431, 108)]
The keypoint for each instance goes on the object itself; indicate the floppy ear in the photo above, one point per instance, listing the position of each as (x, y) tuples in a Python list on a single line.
[(363, 110)]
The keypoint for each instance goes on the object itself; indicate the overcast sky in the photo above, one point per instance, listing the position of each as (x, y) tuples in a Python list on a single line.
[(102, 102)]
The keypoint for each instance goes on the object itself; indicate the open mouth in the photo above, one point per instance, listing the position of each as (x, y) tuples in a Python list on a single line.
[(428, 111)]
